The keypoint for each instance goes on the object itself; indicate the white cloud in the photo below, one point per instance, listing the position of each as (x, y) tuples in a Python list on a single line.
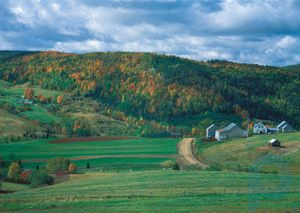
[(286, 42), (83, 46), (252, 31)]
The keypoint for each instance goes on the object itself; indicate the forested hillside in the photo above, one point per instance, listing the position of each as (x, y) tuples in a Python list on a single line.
[(165, 89)]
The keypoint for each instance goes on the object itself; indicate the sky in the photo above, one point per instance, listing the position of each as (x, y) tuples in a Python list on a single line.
[(249, 31)]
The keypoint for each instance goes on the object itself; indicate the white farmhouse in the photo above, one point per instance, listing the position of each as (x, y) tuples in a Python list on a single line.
[(259, 128)]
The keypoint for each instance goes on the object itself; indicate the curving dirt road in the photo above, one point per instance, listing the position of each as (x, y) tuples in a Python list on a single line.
[(186, 157)]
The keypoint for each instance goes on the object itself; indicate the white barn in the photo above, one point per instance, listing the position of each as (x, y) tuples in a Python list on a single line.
[(259, 128), (230, 131), (211, 131)]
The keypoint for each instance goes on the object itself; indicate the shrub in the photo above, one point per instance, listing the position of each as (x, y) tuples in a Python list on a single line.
[(169, 164), (25, 176), (58, 165), (214, 167), (40, 177), (14, 171)]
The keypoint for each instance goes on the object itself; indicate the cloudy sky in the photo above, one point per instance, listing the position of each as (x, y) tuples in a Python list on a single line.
[(250, 31)]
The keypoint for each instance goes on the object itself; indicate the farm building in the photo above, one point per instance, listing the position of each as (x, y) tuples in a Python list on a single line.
[(284, 127), (274, 143), (230, 131), (211, 130), (259, 128)]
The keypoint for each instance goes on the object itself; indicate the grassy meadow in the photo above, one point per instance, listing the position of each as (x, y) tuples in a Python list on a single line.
[(160, 191), (240, 154)]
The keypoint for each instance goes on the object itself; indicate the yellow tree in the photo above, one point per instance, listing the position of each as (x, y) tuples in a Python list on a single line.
[(14, 171), (195, 131)]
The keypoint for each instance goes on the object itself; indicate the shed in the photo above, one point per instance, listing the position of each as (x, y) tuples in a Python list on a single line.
[(211, 131), (274, 143), (230, 131)]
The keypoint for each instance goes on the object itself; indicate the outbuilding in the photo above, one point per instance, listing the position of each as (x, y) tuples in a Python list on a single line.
[(274, 143)]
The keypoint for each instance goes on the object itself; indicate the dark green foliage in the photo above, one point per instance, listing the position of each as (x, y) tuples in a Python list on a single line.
[(40, 177), (58, 165)]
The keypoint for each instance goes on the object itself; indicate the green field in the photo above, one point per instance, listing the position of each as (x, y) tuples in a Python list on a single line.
[(43, 150), (40, 114), (8, 89), (149, 188), (160, 191), (240, 154)]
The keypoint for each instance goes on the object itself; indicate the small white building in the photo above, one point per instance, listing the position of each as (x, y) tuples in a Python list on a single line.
[(285, 127), (259, 128), (211, 131), (274, 143), (230, 131)]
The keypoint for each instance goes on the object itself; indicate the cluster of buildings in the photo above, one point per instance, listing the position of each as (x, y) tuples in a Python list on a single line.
[(260, 128), (234, 131)]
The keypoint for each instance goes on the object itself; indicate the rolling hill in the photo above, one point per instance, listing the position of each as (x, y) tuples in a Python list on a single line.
[(156, 93)]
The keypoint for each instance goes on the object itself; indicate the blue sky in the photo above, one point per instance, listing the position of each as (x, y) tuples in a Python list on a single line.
[(250, 31)]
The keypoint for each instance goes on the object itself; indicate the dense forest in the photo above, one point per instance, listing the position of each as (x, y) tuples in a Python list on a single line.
[(165, 89)]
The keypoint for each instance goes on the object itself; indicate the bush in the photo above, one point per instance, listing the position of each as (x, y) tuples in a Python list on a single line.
[(214, 167), (14, 171), (169, 164), (40, 177), (58, 165)]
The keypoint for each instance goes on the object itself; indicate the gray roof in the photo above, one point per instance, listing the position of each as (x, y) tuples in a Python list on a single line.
[(227, 128)]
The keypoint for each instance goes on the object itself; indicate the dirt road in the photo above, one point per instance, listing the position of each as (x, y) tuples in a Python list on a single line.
[(186, 157)]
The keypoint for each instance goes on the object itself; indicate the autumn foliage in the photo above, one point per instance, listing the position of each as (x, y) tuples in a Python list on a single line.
[(60, 99), (29, 93)]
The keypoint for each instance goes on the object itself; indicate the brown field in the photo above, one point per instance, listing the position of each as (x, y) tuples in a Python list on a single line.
[(92, 139)]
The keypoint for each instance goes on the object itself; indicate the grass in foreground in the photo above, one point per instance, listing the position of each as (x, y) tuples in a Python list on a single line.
[(161, 191)]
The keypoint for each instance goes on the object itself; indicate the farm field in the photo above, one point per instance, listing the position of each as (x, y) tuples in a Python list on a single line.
[(102, 154), (240, 154), (161, 191)]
